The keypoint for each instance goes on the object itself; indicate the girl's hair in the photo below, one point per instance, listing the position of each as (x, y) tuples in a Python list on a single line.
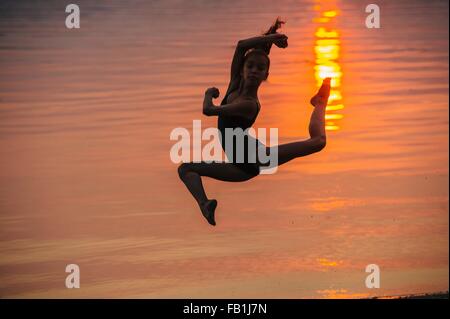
[(273, 29)]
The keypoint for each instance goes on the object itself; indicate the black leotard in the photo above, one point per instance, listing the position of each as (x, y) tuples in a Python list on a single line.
[(248, 166)]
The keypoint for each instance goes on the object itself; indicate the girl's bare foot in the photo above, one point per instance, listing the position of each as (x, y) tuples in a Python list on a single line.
[(208, 209), (321, 98)]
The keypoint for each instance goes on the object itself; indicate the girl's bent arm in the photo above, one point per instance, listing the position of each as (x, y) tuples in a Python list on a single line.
[(243, 109)]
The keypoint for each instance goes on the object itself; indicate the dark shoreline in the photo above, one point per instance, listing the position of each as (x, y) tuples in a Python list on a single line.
[(433, 295)]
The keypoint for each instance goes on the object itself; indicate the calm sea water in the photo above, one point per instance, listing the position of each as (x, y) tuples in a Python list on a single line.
[(86, 178)]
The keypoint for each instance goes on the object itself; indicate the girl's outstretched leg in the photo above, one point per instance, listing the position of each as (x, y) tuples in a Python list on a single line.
[(317, 141)]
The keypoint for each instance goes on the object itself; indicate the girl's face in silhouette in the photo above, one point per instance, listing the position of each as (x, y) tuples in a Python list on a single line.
[(256, 69)]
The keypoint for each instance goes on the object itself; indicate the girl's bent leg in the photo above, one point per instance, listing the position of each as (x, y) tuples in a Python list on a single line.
[(190, 174)]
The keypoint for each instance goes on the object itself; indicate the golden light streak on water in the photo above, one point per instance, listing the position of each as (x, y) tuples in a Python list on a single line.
[(324, 33), (330, 14), (333, 116), (327, 50), (335, 107)]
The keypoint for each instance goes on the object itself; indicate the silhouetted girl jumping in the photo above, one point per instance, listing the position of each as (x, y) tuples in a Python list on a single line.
[(240, 108)]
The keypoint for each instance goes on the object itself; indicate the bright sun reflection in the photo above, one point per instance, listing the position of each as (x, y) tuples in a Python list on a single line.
[(327, 50)]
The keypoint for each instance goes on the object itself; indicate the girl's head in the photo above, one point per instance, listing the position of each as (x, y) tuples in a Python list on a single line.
[(255, 67)]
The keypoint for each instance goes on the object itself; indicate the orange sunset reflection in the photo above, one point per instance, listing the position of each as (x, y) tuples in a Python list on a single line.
[(327, 50), (327, 263), (88, 177)]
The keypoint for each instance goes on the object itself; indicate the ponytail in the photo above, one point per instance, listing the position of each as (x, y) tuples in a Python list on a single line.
[(273, 29)]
